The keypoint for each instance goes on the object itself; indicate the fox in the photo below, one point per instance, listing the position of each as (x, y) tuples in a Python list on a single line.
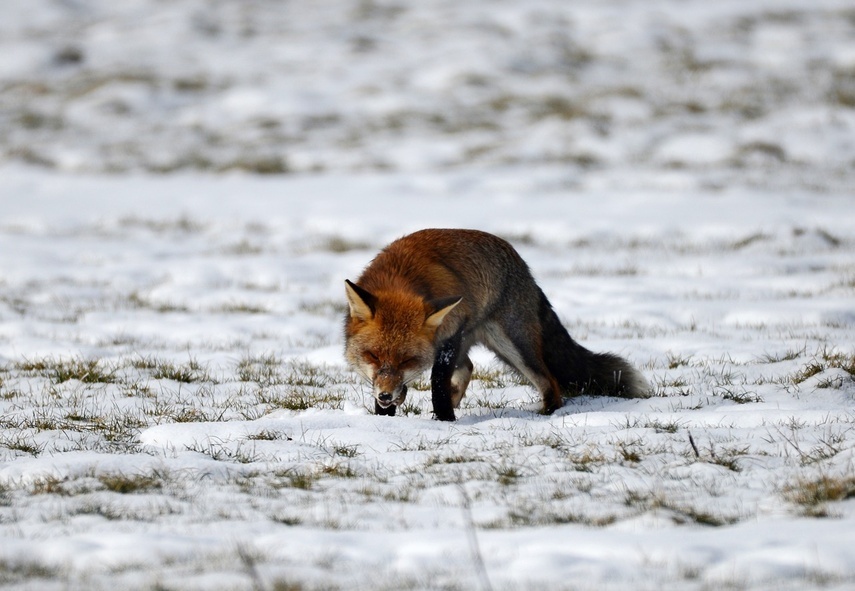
[(427, 298)]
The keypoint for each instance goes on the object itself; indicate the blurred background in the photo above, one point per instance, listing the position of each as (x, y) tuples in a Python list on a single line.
[(617, 92)]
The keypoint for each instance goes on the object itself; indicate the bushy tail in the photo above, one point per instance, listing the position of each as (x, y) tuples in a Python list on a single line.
[(580, 371)]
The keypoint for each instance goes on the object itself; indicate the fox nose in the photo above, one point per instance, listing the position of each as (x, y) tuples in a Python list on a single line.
[(385, 398)]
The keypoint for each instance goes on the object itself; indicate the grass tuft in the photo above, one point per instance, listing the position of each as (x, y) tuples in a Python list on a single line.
[(813, 494), (739, 396), (58, 371), (130, 483), (823, 360), (262, 369), (186, 373), (675, 360)]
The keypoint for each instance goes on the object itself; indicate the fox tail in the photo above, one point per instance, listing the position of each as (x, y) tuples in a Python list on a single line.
[(580, 371)]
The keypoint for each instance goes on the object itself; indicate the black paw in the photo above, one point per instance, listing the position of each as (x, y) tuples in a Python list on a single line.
[(388, 411)]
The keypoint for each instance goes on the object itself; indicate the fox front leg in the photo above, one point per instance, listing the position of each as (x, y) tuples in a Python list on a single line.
[(441, 386)]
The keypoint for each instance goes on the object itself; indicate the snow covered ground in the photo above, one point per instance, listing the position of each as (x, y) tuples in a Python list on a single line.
[(175, 409), (175, 412)]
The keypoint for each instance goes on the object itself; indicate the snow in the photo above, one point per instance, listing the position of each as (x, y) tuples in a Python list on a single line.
[(709, 293), (185, 187)]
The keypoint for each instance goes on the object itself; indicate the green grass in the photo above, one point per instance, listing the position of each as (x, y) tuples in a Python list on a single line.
[(21, 442), (136, 300), (587, 460), (788, 355), (679, 512), (340, 244), (240, 308), (738, 395), (267, 435), (27, 570), (660, 426), (188, 373), (264, 370), (675, 360), (130, 483), (823, 360), (59, 370)]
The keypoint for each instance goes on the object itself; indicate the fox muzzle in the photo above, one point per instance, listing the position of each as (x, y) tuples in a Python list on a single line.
[(388, 386)]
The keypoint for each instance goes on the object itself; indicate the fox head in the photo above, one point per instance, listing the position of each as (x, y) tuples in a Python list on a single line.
[(391, 338)]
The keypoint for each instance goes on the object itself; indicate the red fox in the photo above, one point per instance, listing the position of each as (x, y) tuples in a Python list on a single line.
[(428, 297)]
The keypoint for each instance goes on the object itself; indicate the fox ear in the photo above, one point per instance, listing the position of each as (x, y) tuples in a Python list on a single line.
[(440, 308), (362, 303)]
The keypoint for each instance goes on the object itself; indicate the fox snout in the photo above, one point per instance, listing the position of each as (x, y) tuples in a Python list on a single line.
[(388, 386)]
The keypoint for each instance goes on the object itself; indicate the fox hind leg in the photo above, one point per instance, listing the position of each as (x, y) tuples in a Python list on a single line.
[(525, 355), (460, 380)]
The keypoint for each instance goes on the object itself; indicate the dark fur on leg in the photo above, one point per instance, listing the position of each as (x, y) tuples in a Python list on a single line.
[(389, 411), (440, 377)]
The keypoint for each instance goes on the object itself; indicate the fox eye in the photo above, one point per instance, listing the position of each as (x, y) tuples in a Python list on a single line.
[(372, 356), (410, 361)]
